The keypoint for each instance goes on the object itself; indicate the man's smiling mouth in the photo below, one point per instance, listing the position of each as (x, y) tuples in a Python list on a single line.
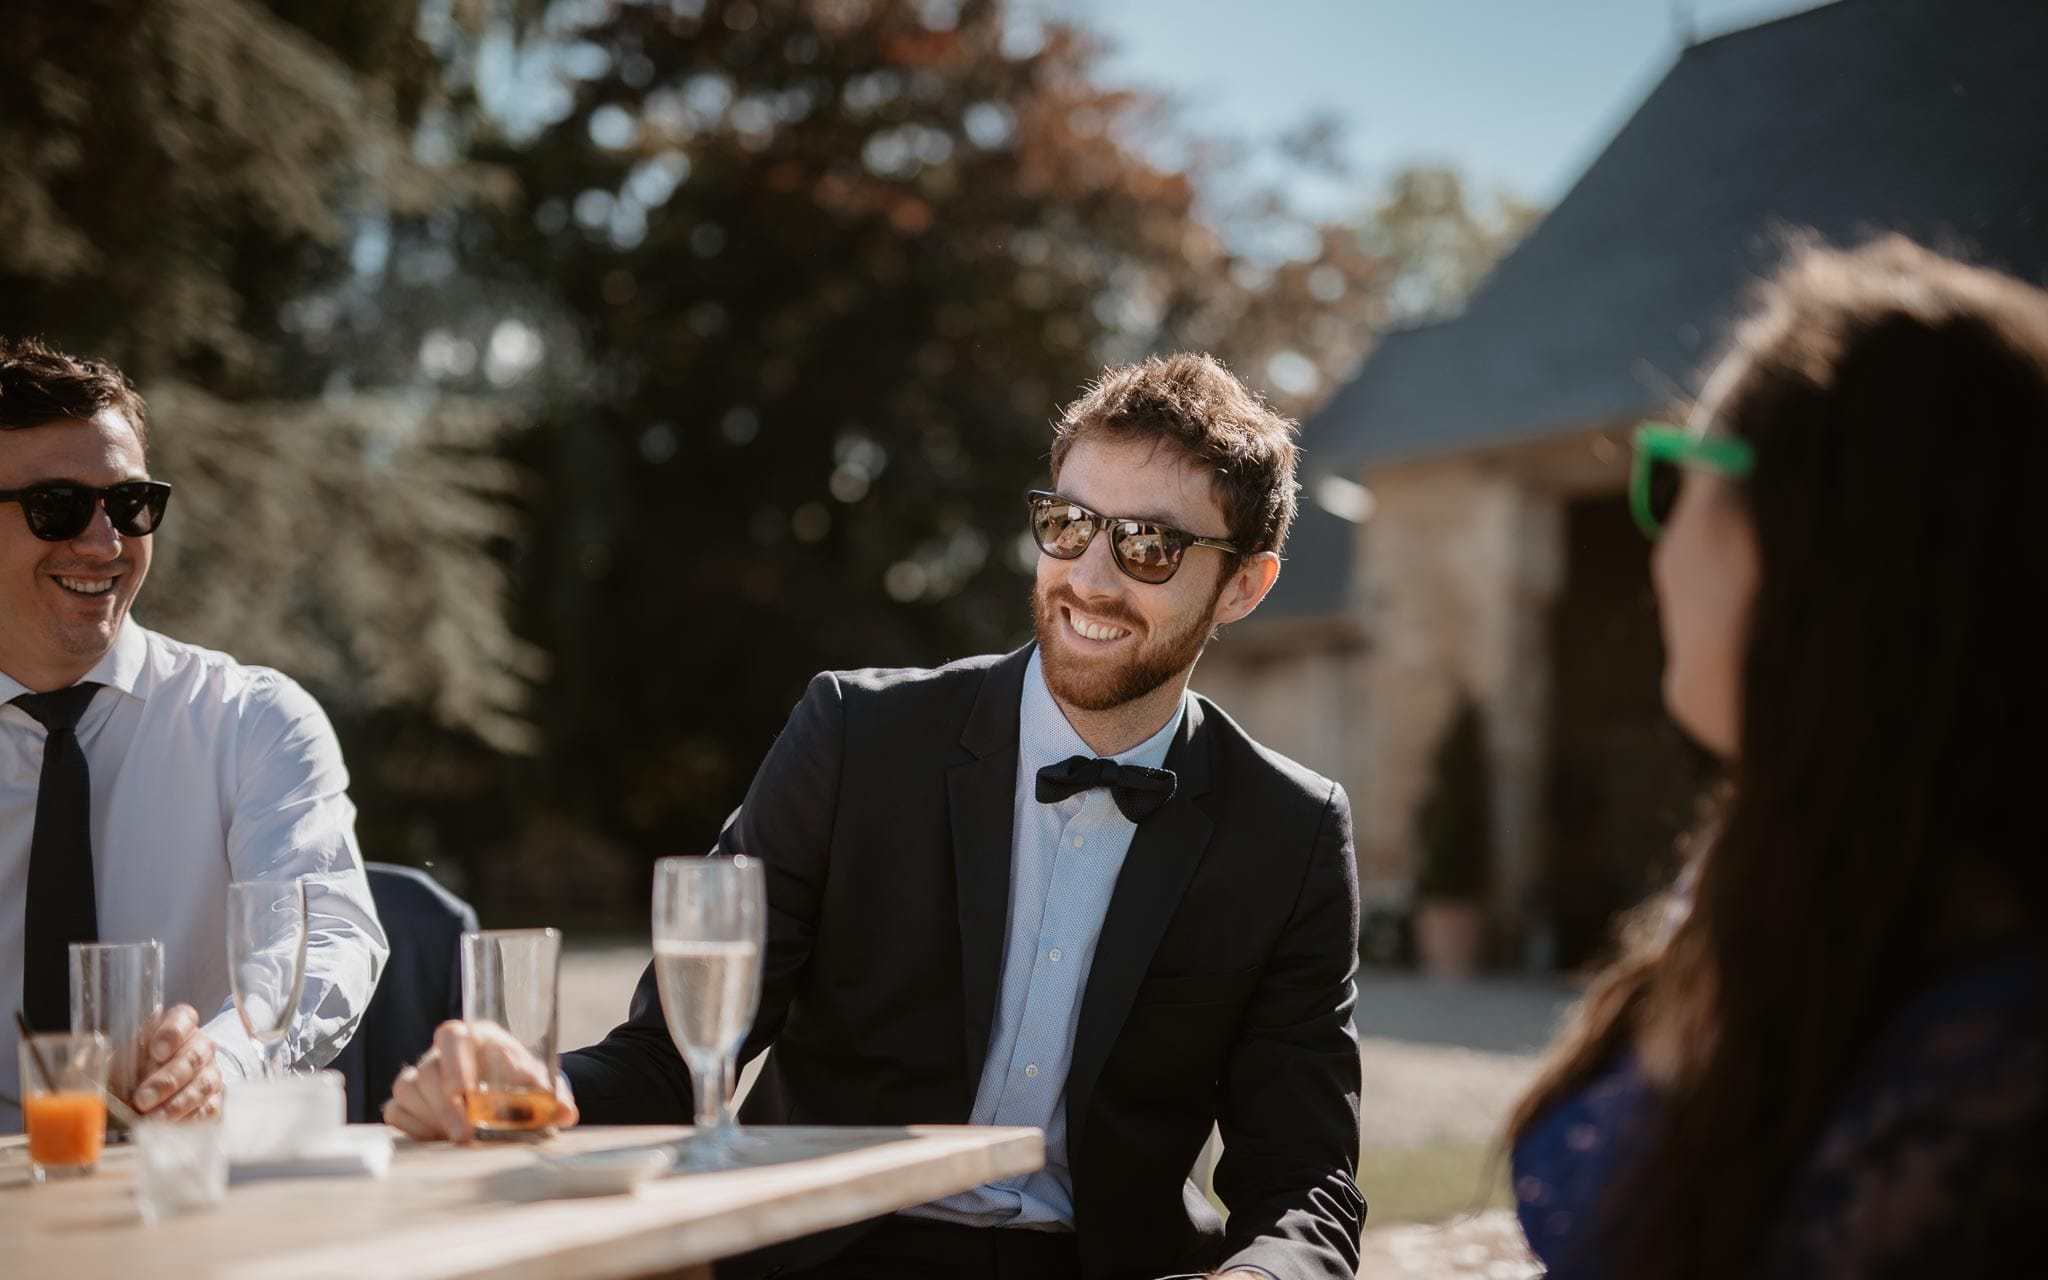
[(1091, 630)]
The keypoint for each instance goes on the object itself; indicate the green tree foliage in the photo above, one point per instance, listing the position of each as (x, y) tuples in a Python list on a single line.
[(833, 267), (1438, 240), (181, 181), (695, 345), (1456, 821)]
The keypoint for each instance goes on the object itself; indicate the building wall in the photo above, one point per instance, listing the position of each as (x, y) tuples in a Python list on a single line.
[(1465, 561), (1460, 570), (1303, 698)]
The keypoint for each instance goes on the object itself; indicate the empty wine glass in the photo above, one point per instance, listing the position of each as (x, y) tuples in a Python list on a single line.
[(710, 922), (267, 961)]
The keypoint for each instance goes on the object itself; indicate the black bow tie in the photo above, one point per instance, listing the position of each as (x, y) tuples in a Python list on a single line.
[(1138, 791)]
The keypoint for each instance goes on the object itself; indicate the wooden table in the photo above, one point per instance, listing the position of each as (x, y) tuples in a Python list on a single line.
[(485, 1210)]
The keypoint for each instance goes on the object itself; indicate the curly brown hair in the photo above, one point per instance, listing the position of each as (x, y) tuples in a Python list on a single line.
[(1192, 403)]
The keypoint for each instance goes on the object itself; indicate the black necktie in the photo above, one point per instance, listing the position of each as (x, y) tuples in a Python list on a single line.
[(1138, 791), (60, 903)]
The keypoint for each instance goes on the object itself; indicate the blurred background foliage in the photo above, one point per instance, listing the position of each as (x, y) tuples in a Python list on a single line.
[(553, 387)]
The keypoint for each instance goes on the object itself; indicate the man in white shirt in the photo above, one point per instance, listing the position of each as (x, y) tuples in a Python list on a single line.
[(138, 775)]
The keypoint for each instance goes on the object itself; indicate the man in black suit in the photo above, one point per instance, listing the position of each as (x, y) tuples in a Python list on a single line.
[(1055, 888)]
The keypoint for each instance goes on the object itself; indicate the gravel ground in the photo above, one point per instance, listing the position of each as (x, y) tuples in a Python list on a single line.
[(1423, 1087), (597, 984), (1482, 1246), (1421, 1095)]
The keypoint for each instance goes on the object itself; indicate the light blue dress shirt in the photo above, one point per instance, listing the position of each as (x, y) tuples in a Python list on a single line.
[(1064, 860)]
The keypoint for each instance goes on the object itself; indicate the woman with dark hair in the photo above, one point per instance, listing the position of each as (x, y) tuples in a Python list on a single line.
[(1825, 1053)]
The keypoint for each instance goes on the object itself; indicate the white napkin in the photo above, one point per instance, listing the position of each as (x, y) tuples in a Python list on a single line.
[(355, 1151)]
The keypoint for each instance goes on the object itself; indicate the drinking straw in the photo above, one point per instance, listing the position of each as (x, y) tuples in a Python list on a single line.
[(35, 1053), (120, 1108)]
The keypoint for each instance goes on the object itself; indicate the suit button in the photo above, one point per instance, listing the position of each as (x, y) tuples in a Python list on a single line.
[(1031, 1071), (1053, 955)]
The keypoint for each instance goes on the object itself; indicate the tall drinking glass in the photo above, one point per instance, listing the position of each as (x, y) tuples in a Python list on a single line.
[(710, 924), (509, 981), (117, 989), (267, 962)]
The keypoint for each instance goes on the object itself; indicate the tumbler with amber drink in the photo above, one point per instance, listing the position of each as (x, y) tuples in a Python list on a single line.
[(508, 996)]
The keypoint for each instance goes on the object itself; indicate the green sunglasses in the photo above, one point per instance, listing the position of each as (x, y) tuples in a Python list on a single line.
[(1660, 451)]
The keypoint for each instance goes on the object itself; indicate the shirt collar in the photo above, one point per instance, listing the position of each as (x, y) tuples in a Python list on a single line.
[(1045, 737), (121, 667)]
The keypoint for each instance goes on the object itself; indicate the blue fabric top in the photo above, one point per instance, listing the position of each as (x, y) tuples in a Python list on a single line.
[(1936, 1162), (1564, 1164)]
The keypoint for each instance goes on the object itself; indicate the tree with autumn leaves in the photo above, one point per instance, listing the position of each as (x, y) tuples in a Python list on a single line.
[(557, 386)]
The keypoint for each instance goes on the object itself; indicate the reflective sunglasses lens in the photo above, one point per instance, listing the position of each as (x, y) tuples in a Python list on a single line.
[(1063, 530), (57, 515), (1147, 552)]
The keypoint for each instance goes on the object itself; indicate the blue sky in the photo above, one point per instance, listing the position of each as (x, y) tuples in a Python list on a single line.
[(1518, 94)]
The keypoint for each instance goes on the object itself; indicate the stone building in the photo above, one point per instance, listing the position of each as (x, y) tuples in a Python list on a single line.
[(1498, 561)]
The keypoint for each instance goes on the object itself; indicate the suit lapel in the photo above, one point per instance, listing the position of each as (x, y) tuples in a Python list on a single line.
[(981, 795), (1163, 856)]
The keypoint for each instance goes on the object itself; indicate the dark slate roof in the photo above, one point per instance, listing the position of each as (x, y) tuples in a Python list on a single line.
[(1315, 577), (1923, 116)]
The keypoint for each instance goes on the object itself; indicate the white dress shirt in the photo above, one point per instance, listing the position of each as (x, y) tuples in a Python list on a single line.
[(203, 771), (1064, 861)]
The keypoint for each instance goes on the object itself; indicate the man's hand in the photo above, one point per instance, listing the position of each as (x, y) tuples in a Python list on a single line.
[(186, 1082), (429, 1099)]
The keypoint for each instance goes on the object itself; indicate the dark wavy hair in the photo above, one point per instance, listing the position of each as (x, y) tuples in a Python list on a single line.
[(1882, 822), (40, 384)]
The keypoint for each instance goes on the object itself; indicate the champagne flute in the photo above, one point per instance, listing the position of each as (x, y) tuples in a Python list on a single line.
[(710, 923), (267, 962)]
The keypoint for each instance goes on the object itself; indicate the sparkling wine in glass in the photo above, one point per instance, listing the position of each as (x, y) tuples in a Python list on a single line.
[(710, 923), (267, 961)]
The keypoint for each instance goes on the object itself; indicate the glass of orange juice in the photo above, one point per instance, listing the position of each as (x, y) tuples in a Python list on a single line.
[(63, 1080)]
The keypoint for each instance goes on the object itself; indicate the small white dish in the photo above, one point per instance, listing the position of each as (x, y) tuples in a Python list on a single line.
[(282, 1118), (353, 1151), (608, 1172)]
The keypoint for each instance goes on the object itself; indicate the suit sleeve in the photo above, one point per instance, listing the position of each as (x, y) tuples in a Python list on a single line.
[(1289, 1114), (635, 1075)]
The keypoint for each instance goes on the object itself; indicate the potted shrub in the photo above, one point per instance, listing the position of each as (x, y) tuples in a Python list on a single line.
[(1456, 831)]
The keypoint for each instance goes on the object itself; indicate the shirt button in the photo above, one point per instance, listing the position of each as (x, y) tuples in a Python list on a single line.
[(1053, 955), (1077, 842), (1031, 1071)]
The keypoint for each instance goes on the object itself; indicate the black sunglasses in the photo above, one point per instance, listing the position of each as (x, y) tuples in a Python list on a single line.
[(1144, 549), (60, 512)]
